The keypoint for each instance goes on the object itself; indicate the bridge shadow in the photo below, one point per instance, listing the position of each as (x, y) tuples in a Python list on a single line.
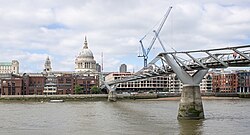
[(191, 127)]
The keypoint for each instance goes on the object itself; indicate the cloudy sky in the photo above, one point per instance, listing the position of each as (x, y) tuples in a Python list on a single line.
[(31, 30)]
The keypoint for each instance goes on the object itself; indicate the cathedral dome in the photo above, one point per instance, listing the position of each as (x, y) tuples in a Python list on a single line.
[(86, 53), (85, 60)]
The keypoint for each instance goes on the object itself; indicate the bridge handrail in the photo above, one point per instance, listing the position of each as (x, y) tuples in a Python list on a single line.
[(221, 60), (216, 49)]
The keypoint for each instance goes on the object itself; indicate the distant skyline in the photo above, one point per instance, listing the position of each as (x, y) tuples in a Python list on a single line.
[(31, 30)]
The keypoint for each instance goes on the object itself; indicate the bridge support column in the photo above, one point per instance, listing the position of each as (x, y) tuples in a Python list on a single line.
[(112, 96), (190, 107)]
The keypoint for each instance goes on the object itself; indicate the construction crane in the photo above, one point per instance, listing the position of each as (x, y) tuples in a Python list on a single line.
[(157, 32)]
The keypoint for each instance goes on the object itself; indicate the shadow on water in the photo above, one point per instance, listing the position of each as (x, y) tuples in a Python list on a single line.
[(190, 127)]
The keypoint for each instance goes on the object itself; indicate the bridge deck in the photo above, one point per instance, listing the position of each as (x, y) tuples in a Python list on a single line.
[(238, 56)]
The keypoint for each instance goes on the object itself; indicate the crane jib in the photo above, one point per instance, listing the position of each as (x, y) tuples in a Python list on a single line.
[(157, 32)]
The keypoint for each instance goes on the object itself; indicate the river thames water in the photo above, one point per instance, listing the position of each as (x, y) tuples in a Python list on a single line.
[(126, 117)]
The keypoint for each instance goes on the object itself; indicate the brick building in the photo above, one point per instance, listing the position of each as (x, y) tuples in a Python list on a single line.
[(40, 84), (11, 85), (50, 82), (225, 82), (86, 82), (33, 83), (65, 84)]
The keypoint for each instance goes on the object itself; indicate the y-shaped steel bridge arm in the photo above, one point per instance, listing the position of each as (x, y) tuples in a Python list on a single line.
[(183, 75)]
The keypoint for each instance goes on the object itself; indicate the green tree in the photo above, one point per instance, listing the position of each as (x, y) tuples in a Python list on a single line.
[(151, 91), (95, 90), (78, 89)]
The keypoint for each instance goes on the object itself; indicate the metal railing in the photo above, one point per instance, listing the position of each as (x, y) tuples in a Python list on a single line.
[(238, 56)]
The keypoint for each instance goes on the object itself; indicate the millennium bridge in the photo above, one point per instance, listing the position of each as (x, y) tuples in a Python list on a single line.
[(180, 63)]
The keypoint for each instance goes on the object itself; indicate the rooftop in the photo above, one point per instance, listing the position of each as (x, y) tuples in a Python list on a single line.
[(5, 63)]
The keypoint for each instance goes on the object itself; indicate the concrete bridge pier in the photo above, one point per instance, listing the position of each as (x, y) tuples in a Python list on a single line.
[(112, 96), (190, 107)]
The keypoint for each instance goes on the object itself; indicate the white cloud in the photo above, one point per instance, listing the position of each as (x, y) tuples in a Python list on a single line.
[(32, 30)]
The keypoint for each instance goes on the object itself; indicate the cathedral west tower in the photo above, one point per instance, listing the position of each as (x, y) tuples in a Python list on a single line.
[(47, 65)]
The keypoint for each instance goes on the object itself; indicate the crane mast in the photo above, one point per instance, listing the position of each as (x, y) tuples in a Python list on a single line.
[(157, 32)]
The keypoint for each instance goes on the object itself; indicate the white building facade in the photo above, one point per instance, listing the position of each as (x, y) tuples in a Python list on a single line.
[(155, 83), (9, 67), (168, 83)]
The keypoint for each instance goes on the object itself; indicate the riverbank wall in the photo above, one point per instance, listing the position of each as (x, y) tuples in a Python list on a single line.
[(47, 98), (103, 97), (244, 95), (82, 97)]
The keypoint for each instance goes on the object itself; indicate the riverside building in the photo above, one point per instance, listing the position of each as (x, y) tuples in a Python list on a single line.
[(243, 82), (50, 82), (154, 83), (168, 83), (11, 85), (9, 67), (206, 85), (225, 82), (86, 75)]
